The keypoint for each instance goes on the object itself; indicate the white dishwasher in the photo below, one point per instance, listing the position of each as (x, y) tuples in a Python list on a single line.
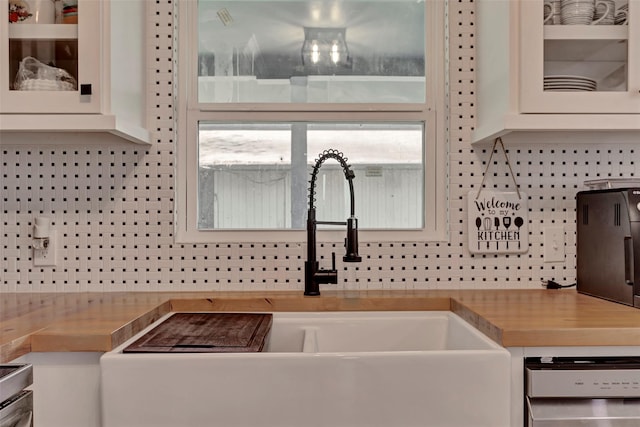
[(582, 391)]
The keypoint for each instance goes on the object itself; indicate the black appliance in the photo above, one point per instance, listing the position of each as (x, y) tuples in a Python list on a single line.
[(608, 244)]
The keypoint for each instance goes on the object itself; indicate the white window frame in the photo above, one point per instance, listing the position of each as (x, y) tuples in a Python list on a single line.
[(189, 113)]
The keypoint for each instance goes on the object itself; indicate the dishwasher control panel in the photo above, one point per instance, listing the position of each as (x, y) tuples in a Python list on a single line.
[(584, 377)]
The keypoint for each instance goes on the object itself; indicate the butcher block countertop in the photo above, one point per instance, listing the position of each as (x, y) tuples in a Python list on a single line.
[(43, 322)]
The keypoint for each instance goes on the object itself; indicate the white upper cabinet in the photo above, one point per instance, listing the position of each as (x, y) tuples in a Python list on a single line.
[(69, 66), (557, 66)]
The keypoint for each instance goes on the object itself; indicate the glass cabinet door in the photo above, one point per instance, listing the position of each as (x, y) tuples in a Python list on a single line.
[(50, 56), (579, 56)]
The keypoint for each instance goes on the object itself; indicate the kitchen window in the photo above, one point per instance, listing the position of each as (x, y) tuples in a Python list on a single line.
[(263, 87)]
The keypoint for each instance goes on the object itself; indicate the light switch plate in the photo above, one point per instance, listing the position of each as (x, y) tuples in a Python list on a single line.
[(553, 243)]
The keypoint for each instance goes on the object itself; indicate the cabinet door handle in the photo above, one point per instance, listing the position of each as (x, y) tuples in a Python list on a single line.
[(85, 89)]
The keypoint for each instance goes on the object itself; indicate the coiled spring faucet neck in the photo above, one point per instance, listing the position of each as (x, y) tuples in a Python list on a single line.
[(313, 274), (348, 174)]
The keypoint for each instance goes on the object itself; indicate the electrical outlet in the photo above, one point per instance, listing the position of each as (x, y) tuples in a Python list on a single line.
[(46, 257), (553, 243)]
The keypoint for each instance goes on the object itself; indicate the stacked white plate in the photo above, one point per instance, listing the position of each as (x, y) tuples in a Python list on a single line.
[(577, 12), (562, 83)]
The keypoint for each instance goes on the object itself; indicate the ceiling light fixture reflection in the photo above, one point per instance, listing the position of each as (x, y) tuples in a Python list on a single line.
[(315, 52), (335, 53), (325, 47)]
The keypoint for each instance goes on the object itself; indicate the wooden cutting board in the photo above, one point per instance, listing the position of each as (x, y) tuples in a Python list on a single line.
[(206, 333)]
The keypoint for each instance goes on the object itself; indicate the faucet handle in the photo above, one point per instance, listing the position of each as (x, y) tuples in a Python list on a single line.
[(328, 276)]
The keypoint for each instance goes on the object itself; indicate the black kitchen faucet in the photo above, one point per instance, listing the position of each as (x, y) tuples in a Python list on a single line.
[(314, 275)]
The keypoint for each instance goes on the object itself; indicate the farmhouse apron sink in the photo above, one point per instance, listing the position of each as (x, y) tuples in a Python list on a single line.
[(333, 369)]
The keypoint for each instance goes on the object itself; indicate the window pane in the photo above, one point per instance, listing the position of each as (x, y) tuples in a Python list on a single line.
[(255, 176), (316, 51)]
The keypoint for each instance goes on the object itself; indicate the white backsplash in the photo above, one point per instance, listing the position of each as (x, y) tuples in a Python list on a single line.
[(113, 208)]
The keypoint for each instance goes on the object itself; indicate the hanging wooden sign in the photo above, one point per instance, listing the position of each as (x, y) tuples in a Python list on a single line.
[(498, 222)]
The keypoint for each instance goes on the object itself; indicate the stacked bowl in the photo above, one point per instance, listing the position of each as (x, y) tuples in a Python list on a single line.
[(577, 12)]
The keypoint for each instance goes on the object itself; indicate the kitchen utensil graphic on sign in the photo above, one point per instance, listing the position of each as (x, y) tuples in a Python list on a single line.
[(497, 220)]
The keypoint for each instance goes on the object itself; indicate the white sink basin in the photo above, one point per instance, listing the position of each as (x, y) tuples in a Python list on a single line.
[(348, 332), (390, 369)]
